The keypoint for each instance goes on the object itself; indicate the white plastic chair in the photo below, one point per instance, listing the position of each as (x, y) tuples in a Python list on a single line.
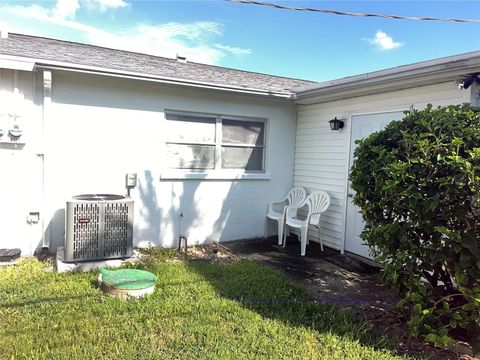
[(294, 198), (317, 203)]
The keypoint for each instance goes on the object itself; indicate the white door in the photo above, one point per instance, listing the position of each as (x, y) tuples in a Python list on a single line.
[(362, 126), (21, 194)]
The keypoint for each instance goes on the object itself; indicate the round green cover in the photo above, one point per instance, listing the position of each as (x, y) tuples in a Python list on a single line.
[(128, 279)]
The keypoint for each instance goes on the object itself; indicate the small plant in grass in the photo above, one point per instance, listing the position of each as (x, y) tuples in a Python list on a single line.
[(417, 183)]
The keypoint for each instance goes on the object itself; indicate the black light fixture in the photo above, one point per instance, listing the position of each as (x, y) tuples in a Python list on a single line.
[(336, 124)]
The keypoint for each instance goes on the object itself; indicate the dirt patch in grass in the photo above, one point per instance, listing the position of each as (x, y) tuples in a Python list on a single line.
[(213, 252)]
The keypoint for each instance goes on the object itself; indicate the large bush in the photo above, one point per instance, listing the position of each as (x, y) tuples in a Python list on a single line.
[(418, 184)]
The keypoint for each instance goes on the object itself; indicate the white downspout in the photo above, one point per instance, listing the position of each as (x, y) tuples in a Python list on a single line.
[(47, 100)]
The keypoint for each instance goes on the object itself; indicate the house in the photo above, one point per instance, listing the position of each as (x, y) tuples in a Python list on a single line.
[(211, 146)]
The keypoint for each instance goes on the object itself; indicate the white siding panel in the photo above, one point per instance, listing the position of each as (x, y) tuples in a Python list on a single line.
[(328, 175), (333, 153), (319, 168), (328, 146), (321, 185), (321, 155), (322, 161), (314, 136)]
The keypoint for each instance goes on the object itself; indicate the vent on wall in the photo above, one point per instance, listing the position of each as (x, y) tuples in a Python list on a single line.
[(98, 226)]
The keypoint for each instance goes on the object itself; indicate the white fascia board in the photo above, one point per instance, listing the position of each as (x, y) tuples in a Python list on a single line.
[(53, 65), (402, 77), (16, 63)]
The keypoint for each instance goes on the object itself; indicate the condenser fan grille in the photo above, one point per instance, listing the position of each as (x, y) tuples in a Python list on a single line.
[(86, 228), (116, 229), (98, 226)]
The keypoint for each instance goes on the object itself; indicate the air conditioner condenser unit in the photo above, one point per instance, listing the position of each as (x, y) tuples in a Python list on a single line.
[(97, 227)]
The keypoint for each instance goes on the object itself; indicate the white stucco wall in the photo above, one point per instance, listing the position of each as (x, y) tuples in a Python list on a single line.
[(20, 164), (321, 155), (99, 128)]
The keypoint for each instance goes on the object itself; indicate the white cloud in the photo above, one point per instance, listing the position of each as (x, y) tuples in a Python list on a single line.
[(196, 31), (234, 50), (103, 5), (163, 40), (57, 16), (383, 41), (66, 9), (193, 40)]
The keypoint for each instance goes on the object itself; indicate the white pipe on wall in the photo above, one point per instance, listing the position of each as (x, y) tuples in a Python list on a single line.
[(47, 100)]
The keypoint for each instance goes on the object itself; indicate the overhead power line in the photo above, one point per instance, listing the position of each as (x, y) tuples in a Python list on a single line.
[(334, 12)]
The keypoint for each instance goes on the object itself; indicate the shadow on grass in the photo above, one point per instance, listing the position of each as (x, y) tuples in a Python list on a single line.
[(57, 299), (271, 295)]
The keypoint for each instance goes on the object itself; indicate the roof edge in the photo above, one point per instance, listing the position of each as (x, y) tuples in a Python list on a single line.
[(31, 64), (401, 77), (157, 56)]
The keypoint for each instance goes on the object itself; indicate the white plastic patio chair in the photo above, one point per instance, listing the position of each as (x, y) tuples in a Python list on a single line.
[(294, 198), (317, 203)]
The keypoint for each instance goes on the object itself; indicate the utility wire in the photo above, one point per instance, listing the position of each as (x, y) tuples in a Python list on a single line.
[(334, 12)]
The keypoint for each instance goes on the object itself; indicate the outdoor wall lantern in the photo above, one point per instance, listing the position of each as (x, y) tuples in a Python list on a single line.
[(336, 124)]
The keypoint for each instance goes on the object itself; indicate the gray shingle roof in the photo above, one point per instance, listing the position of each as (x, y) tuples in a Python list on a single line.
[(88, 55)]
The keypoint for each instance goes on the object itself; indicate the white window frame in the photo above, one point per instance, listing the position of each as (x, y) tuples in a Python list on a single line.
[(218, 173)]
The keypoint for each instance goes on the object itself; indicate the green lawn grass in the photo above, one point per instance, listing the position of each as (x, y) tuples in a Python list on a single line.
[(199, 310)]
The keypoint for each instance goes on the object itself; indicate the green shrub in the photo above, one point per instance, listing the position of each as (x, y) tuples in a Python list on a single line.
[(418, 183)]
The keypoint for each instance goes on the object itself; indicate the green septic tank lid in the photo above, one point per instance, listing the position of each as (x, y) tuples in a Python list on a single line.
[(128, 279)]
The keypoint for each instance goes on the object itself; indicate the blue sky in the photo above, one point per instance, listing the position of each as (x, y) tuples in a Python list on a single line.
[(296, 44)]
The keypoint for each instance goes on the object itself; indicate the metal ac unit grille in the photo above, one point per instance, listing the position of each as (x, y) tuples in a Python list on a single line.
[(98, 227), (115, 233), (86, 234)]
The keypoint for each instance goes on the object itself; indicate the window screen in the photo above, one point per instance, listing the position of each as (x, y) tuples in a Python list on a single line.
[(242, 144), (250, 159), (242, 132), (192, 142), (185, 156), (190, 129)]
